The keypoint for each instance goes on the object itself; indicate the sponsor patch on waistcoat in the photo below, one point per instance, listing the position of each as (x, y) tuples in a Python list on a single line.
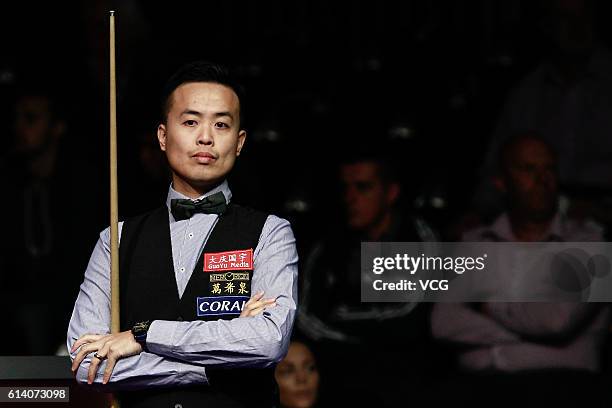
[(229, 276), (240, 260), (220, 285), (220, 305)]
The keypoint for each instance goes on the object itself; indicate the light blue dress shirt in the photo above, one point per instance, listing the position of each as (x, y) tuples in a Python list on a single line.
[(180, 352)]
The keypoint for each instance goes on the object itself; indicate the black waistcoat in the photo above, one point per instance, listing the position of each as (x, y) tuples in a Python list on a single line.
[(216, 290)]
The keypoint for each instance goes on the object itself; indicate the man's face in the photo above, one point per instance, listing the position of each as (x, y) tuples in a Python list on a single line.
[(33, 123), (531, 179), (201, 136), (366, 197)]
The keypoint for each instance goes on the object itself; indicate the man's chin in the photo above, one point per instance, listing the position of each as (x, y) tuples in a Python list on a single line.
[(204, 179), (198, 182), (356, 225)]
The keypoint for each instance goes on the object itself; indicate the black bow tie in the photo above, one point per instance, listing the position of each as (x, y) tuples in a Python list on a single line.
[(183, 209)]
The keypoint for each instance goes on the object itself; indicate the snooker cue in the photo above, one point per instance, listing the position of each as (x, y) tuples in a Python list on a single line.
[(114, 208), (114, 212)]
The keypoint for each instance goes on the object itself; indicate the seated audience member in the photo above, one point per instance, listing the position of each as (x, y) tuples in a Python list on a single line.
[(562, 340), (378, 344), (566, 100)]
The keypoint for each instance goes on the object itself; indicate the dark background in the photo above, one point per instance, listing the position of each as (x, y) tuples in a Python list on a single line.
[(427, 78)]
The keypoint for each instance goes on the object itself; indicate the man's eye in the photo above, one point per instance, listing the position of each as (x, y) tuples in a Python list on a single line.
[(221, 125), (363, 187), (190, 123)]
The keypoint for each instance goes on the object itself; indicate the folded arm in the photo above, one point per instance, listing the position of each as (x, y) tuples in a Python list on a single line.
[(541, 320), (459, 323), (91, 315), (258, 341)]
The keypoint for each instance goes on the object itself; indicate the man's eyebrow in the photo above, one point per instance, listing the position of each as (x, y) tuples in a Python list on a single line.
[(216, 114), (191, 112), (220, 114)]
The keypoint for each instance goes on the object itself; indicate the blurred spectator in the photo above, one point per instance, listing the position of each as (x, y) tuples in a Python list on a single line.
[(567, 100), (147, 179), (360, 339), (298, 377), (50, 202), (528, 178), (562, 338)]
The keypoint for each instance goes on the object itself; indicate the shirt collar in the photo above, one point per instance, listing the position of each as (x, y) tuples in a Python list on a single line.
[(598, 66), (502, 230), (223, 187)]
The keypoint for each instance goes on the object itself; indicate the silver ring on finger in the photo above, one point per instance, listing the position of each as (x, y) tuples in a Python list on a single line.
[(96, 355)]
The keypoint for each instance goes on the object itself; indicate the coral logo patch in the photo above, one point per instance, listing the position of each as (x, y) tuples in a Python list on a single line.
[(220, 305)]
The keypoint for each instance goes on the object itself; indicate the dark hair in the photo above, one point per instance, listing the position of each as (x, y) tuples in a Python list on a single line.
[(201, 71), (379, 156)]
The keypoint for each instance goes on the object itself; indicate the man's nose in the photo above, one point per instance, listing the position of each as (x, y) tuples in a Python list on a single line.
[(545, 177), (205, 137)]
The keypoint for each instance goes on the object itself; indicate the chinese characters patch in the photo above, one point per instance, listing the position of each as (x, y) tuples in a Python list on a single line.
[(229, 260)]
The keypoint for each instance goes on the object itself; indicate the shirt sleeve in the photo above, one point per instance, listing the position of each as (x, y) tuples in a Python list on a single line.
[(258, 341), (91, 315)]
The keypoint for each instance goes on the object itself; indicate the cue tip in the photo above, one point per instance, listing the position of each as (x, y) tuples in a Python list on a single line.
[(112, 12)]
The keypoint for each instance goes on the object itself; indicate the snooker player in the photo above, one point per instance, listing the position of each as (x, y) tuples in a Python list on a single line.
[(208, 288)]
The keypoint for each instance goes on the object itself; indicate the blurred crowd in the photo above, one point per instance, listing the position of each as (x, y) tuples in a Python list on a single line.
[(346, 159)]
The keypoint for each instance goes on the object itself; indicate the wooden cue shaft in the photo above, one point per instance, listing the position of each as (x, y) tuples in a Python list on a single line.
[(114, 208), (114, 211)]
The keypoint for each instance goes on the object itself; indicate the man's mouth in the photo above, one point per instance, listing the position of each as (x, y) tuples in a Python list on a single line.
[(204, 157)]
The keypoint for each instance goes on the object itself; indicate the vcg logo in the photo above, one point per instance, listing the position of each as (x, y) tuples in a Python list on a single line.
[(220, 305)]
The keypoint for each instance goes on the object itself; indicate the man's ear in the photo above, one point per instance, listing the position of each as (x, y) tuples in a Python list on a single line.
[(241, 138), (500, 184), (393, 193), (161, 136), (59, 129)]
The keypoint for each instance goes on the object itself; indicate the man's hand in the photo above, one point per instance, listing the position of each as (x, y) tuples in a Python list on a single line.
[(111, 346), (256, 305)]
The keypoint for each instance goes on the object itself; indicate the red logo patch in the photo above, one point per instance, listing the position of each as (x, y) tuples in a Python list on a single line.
[(229, 261)]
